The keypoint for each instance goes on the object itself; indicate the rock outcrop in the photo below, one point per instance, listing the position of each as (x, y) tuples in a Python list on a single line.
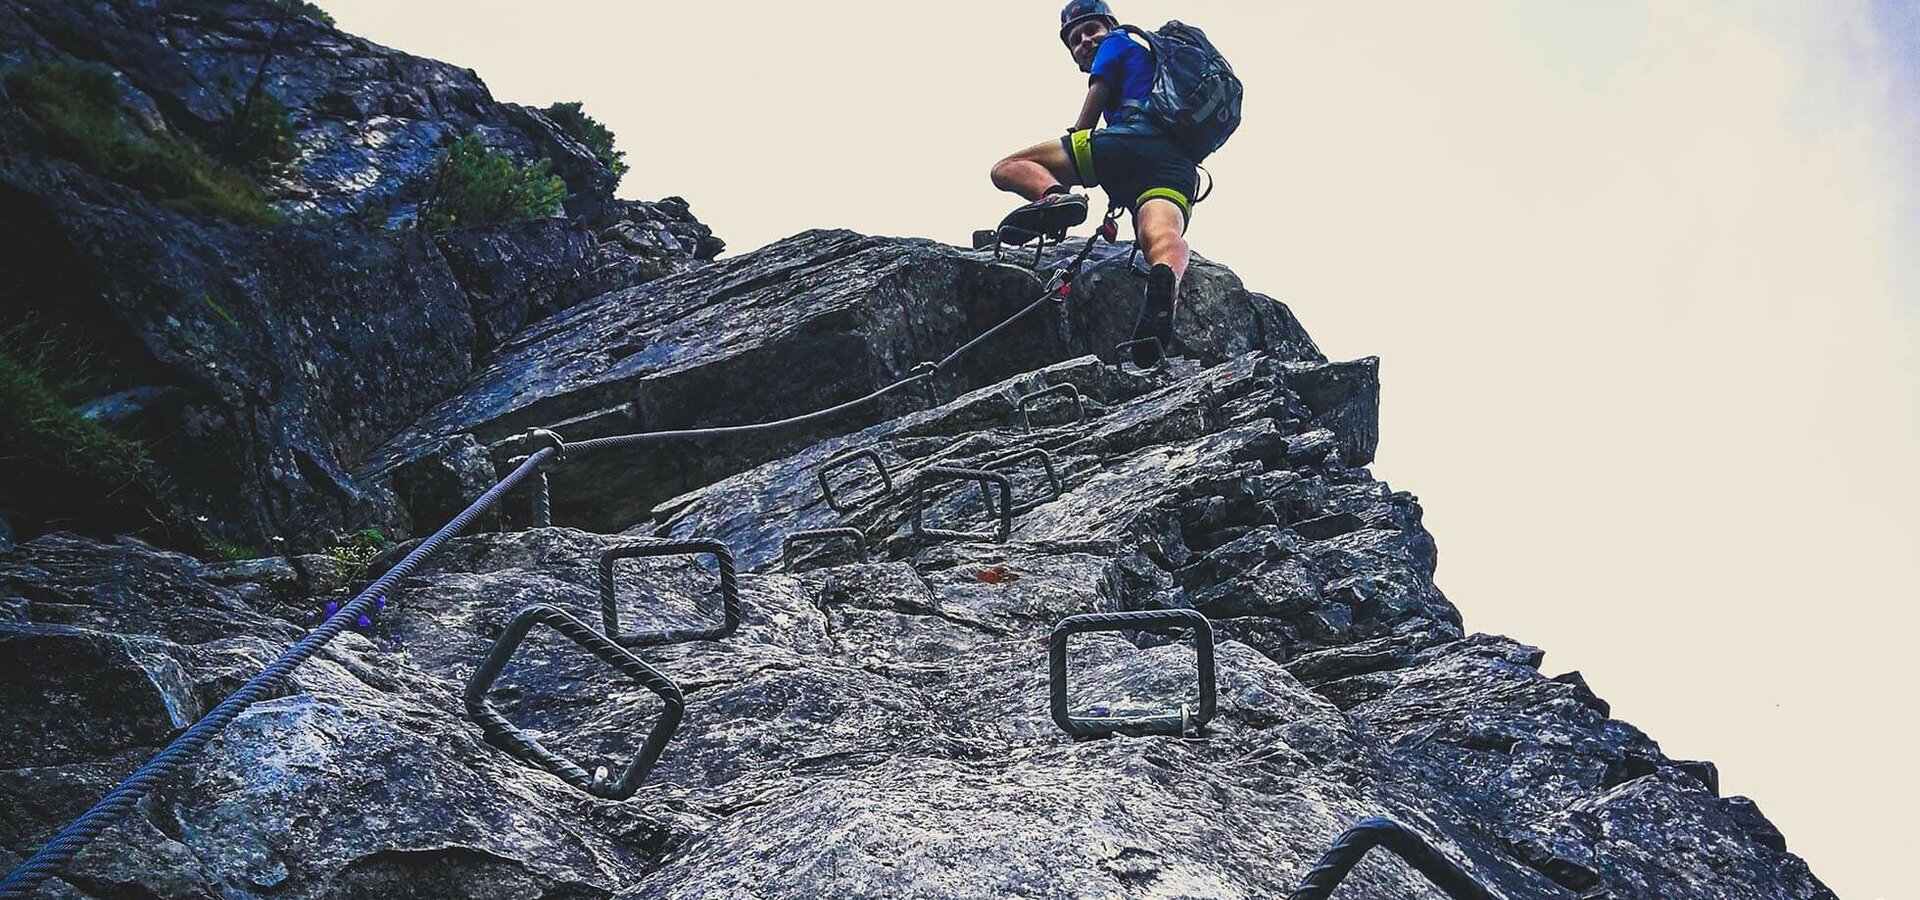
[(878, 725), (802, 324), (258, 366)]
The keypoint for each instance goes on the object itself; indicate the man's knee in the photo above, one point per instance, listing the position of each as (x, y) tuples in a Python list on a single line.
[(1160, 218)]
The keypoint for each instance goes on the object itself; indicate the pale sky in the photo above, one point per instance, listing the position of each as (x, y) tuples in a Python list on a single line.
[(1642, 276)]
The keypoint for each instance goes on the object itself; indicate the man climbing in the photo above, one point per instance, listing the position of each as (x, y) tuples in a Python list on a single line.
[(1141, 166)]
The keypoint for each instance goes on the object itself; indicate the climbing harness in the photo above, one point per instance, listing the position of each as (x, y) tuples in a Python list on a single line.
[(816, 535), (1347, 850), (547, 450), (506, 735), (1064, 389), (846, 459), (1185, 720), (729, 592)]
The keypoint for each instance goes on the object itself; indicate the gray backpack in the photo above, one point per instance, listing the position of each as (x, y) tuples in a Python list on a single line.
[(1196, 96)]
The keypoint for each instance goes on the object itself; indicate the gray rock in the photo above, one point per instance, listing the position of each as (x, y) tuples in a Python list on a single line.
[(73, 694), (880, 728), (876, 727), (258, 365), (853, 313)]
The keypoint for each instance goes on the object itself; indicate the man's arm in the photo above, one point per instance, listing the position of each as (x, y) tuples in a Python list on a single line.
[(1098, 91)]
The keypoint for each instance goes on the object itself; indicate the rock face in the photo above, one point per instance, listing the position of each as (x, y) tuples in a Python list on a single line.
[(805, 323), (878, 727), (258, 366)]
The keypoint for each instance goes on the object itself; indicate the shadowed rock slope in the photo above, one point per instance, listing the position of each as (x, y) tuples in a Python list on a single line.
[(258, 363), (877, 727)]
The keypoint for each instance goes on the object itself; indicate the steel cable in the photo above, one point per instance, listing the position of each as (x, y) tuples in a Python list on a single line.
[(48, 861), (1049, 294), (58, 852)]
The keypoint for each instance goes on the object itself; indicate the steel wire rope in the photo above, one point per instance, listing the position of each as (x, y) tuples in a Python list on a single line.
[(59, 851), (46, 863), (1052, 289)]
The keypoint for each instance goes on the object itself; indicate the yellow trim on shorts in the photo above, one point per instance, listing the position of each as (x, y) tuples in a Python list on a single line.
[(1082, 144), (1179, 199)]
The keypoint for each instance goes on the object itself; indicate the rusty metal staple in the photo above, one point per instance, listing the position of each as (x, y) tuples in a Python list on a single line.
[(729, 592), (507, 736), (1004, 512), (1159, 621), (1066, 389), (858, 537), (846, 459)]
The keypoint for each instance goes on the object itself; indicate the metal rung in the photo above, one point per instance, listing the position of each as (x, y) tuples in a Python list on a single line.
[(858, 537), (846, 459), (1010, 460), (1158, 621), (1066, 390), (729, 592), (1419, 853), (951, 473), (1121, 357), (507, 736)]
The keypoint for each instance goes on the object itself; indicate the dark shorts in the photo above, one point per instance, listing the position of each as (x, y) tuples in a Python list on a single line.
[(1134, 165)]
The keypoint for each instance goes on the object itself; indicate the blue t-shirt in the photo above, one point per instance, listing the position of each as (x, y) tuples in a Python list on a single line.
[(1125, 64)]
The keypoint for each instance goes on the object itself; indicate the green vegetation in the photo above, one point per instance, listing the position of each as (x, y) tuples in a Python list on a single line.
[(219, 310), (476, 186), (260, 137), (227, 551), (78, 105), (356, 550), (71, 365), (36, 424), (588, 131), (302, 7)]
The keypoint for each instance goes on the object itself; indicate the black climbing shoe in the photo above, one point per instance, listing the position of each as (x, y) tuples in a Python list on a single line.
[(1156, 317), (1051, 215)]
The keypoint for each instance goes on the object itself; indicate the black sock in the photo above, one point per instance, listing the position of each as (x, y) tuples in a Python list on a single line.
[(1161, 277), (1056, 189)]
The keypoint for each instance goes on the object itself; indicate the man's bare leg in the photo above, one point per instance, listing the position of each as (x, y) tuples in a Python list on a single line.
[(1031, 171), (1157, 229), (1160, 228)]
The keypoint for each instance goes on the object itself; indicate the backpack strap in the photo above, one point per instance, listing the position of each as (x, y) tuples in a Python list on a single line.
[(1144, 38)]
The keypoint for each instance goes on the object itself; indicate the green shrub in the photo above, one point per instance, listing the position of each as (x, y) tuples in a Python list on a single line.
[(260, 137), (228, 551), (473, 185), (354, 551), (588, 131), (37, 425), (79, 107), (311, 11), (69, 361)]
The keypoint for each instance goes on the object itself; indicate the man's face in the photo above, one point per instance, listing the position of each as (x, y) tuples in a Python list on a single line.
[(1083, 40)]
